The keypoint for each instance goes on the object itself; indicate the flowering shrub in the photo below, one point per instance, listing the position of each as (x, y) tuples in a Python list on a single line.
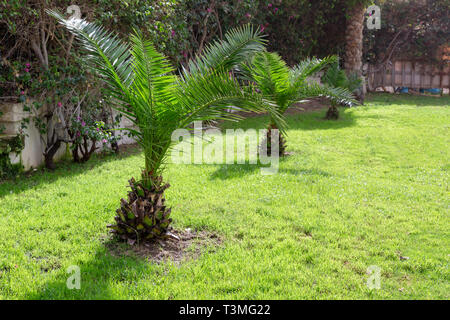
[(56, 99), (86, 134)]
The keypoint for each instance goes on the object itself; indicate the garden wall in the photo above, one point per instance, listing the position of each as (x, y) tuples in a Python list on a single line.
[(32, 154)]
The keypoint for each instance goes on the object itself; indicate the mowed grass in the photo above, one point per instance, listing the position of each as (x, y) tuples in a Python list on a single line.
[(368, 189)]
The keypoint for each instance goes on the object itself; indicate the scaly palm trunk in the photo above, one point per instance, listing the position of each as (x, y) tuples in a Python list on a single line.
[(144, 216), (333, 112), (354, 42), (281, 141)]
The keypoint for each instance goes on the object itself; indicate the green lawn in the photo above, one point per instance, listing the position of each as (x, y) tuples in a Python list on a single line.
[(364, 190)]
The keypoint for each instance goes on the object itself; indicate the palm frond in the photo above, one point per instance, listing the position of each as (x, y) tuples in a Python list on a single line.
[(270, 73), (238, 45), (336, 95), (353, 82), (335, 76), (308, 68), (153, 82), (209, 96), (106, 54)]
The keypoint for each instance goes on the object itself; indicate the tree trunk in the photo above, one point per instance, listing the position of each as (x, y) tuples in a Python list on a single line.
[(332, 113), (354, 43), (354, 39), (49, 155), (281, 141)]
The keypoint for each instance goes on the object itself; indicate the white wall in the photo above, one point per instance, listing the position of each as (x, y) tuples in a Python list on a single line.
[(32, 154)]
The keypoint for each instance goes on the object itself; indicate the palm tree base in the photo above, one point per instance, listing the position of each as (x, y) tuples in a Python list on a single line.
[(281, 142), (144, 216), (332, 113)]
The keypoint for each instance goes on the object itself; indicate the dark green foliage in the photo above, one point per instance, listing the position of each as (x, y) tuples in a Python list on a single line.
[(10, 145), (336, 77), (414, 30)]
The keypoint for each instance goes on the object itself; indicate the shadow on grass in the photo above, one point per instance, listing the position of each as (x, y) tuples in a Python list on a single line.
[(96, 276), (310, 120), (316, 120), (64, 168), (231, 171)]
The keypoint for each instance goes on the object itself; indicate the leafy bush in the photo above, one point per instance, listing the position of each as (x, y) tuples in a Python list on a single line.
[(12, 145)]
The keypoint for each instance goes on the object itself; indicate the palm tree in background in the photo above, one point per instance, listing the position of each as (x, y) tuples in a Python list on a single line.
[(148, 93), (336, 77), (284, 86)]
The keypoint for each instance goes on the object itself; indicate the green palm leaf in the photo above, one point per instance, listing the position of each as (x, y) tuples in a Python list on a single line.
[(158, 102), (239, 44), (307, 68), (335, 94)]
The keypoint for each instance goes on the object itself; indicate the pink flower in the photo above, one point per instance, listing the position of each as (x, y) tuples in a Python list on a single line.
[(78, 133), (172, 33), (22, 92), (59, 104), (83, 124), (98, 129), (28, 65), (269, 5), (27, 70), (262, 28), (248, 15), (184, 54), (275, 10), (104, 141), (209, 10)]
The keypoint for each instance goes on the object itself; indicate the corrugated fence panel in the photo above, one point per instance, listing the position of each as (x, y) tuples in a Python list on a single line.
[(408, 74)]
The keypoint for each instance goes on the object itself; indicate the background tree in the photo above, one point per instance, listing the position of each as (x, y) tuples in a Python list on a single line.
[(354, 40), (336, 77), (412, 30)]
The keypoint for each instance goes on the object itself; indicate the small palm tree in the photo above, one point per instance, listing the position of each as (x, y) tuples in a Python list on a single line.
[(336, 77), (158, 102), (285, 86)]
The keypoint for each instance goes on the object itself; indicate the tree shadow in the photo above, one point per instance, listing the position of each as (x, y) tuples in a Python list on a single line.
[(237, 171), (232, 171), (316, 120), (64, 168), (96, 274)]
